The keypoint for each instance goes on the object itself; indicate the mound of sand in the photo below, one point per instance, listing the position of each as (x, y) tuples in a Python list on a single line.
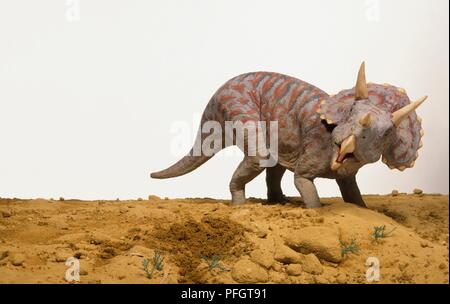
[(211, 241)]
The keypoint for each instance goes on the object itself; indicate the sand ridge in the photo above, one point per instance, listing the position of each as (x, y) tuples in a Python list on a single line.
[(212, 241)]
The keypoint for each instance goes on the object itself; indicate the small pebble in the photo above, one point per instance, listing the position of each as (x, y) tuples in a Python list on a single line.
[(3, 254), (294, 269), (417, 191), (311, 213), (18, 259), (261, 234), (4, 213)]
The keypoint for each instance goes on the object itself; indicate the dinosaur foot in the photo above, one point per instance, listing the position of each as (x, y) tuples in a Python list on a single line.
[(278, 198), (238, 197)]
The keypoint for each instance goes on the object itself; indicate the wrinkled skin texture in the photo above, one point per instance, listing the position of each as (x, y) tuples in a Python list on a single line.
[(372, 140), (312, 127)]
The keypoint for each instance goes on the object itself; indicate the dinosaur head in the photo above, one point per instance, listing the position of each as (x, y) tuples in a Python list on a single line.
[(371, 121)]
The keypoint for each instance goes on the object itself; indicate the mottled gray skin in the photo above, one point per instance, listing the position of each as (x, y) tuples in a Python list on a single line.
[(371, 143), (373, 140), (313, 126)]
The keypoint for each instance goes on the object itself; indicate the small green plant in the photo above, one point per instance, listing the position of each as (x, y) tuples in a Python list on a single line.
[(157, 264), (349, 247), (214, 262), (379, 232)]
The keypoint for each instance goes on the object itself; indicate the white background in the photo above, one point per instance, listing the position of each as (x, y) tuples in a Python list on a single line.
[(87, 105)]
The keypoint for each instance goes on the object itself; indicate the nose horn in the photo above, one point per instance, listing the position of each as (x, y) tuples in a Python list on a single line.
[(348, 145), (366, 120)]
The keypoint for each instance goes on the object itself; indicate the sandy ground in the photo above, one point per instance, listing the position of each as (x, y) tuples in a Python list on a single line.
[(211, 241)]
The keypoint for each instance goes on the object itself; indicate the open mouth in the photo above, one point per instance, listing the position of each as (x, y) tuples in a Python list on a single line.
[(342, 157), (345, 152)]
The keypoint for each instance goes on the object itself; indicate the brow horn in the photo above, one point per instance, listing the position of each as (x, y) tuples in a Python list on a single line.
[(400, 114), (361, 85)]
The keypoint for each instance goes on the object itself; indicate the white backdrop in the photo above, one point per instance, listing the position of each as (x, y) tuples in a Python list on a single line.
[(89, 90)]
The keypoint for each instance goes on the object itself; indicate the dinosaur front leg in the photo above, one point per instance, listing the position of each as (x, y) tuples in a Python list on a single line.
[(273, 182), (350, 191), (247, 170), (308, 191)]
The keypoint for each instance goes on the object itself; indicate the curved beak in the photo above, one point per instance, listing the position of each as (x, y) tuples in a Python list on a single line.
[(347, 147)]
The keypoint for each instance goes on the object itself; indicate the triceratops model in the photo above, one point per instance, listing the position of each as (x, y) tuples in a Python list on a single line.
[(319, 135)]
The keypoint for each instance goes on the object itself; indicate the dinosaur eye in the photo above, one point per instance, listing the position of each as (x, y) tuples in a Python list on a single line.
[(329, 127)]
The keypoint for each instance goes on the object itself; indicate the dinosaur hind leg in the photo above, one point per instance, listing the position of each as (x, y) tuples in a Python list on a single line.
[(273, 182), (308, 191), (350, 191), (247, 170)]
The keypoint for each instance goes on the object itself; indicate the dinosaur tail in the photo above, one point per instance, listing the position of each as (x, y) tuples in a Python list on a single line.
[(183, 166), (192, 160)]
